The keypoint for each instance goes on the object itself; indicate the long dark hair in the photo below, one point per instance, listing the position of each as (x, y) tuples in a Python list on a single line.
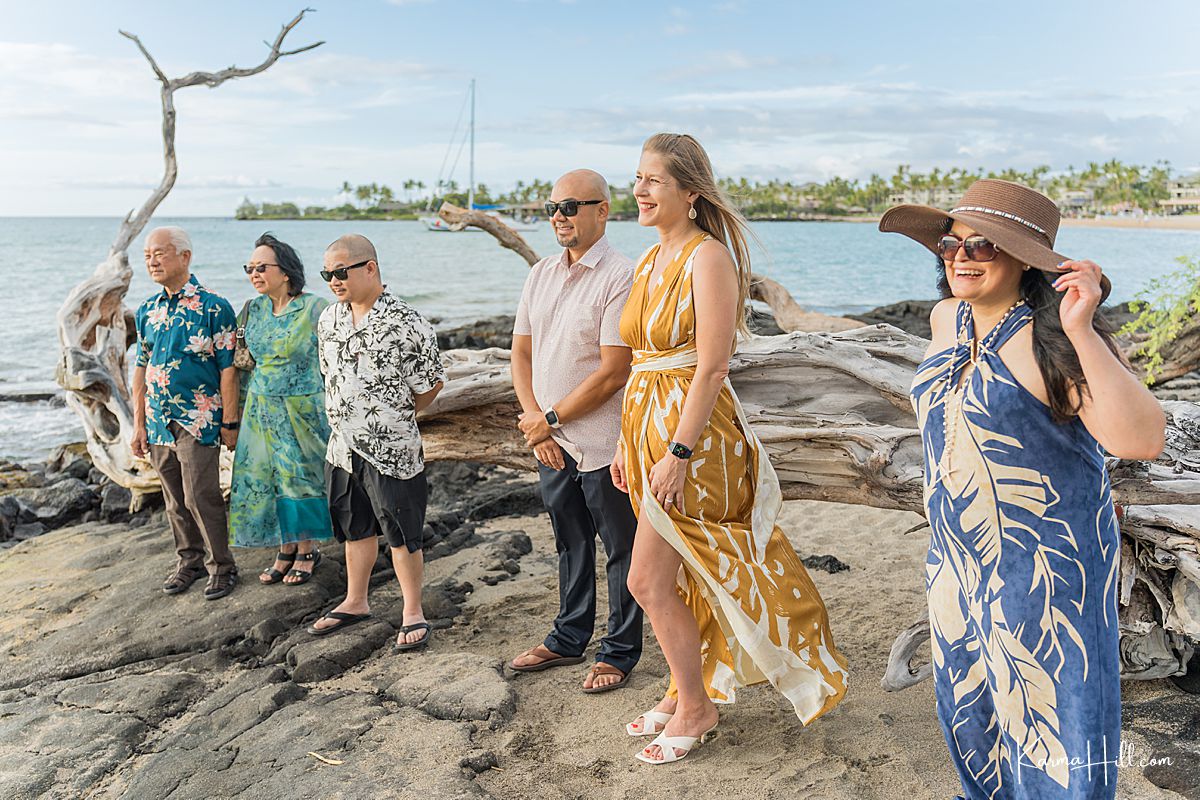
[(288, 260), (1056, 358)]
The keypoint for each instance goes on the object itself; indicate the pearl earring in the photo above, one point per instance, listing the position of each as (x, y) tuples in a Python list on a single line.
[(692, 212)]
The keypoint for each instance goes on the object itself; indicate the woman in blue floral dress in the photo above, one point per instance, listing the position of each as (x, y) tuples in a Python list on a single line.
[(278, 493), (1020, 395)]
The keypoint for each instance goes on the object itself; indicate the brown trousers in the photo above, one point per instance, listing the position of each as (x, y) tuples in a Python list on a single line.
[(190, 475)]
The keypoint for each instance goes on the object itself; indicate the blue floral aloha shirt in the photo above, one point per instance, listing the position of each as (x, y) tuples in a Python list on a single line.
[(185, 340)]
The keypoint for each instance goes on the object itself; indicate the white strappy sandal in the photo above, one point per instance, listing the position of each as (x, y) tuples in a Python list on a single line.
[(669, 744), (658, 719)]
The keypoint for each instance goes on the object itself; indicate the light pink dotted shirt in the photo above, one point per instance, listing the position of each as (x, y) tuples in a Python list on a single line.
[(571, 312)]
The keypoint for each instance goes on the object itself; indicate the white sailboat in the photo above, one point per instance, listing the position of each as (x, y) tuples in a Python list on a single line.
[(435, 223)]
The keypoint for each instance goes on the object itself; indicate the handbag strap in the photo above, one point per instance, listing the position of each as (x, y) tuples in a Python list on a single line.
[(244, 314)]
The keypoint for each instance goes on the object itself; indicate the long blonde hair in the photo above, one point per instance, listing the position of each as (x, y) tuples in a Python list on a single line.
[(716, 215)]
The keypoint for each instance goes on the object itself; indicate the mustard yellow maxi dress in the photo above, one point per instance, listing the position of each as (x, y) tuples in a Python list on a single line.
[(759, 614)]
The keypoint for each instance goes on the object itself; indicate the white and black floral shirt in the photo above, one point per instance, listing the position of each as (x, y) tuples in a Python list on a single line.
[(372, 371)]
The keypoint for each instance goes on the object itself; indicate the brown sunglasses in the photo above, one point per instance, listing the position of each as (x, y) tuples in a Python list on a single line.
[(977, 247)]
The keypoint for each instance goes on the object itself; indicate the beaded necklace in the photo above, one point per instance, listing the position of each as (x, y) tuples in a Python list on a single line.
[(955, 394)]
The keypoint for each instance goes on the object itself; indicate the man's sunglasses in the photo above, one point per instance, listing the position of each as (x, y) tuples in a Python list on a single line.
[(341, 272), (977, 247), (569, 208), (259, 268)]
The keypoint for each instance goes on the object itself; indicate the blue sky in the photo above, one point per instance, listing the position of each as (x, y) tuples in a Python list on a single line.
[(794, 90)]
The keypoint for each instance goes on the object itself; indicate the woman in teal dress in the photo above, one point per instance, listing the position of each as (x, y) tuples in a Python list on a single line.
[(278, 493)]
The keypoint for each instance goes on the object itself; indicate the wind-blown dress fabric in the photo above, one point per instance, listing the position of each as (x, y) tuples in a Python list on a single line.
[(1021, 579), (278, 491), (759, 614)]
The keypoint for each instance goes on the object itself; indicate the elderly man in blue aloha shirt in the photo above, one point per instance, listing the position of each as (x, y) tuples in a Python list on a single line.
[(183, 378)]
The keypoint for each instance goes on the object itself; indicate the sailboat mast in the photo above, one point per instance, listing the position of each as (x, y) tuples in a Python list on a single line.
[(471, 188)]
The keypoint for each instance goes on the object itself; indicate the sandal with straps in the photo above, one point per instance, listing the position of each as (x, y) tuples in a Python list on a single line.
[(273, 574), (667, 745), (305, 577), (657, 718), (601, 668)]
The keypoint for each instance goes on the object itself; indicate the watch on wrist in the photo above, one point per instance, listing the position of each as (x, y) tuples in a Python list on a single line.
[(552, 418), (230, 426), (679, 451)]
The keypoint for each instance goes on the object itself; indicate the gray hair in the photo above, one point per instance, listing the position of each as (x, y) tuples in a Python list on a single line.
[(178, 237)]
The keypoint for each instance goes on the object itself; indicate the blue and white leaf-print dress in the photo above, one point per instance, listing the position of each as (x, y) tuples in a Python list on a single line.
[(1021, 579)]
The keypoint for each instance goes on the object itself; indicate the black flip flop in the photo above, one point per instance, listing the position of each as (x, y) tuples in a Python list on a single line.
[(275, 575), (305, 577), (419, 643), (344, 621)]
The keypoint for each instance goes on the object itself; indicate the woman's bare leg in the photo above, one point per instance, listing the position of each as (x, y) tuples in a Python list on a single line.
[(652, 580)]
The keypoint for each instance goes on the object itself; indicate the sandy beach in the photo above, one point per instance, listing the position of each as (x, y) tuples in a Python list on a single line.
[(1185, 222), (876, 744)]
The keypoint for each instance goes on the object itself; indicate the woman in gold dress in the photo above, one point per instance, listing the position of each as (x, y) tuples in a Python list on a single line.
[(730, 602)]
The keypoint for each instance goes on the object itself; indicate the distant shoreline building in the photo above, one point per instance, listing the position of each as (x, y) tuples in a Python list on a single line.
[(942, 197), (1185, 196)]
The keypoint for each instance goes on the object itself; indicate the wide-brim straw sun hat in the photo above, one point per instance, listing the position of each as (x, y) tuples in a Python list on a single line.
[(1020, 221)]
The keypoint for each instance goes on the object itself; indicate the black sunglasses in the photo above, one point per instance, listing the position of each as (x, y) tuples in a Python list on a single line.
[(259, 268), (341, 272), (569, 208), (978, 248)]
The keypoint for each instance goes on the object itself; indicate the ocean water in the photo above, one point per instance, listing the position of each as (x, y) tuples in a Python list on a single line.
[(833, 267)]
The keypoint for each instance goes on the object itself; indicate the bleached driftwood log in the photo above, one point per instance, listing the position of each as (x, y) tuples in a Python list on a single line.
[(95, 328), (789, 315)]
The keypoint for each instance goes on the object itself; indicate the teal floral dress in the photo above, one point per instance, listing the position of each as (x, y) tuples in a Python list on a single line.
[(278, 493)]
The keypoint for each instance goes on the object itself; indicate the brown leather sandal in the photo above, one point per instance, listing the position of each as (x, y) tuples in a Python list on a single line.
[(600, 668), (549, 659)]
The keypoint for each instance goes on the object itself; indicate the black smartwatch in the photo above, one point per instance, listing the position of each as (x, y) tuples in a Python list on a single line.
[(552, 419), (679, 451), (230, 426)]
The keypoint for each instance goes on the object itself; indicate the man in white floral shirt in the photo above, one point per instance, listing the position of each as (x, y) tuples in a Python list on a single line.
[(183, 379), (381, 366)]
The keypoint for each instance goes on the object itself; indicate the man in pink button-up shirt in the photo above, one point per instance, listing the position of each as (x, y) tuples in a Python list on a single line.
[(569, 366)]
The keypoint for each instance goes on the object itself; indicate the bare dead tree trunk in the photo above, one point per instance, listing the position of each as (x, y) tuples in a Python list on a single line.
[(95, 328), (460, 218)]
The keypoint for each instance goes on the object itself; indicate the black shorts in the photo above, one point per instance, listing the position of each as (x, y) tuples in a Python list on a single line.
[(365, 503)]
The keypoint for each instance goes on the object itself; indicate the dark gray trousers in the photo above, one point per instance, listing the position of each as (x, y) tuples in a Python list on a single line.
[(582, 504)]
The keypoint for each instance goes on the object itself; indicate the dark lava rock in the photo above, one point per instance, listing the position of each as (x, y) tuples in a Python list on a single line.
[(326, 656), (479, 492), (763, 323), (71, 460), (456, 686), (58, 503), (523, 498), (828, 564), (487, 332), (911, 316), (28, 530), (114, 502)]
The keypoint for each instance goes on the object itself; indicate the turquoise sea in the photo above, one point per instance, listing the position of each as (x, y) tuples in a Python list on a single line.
[(828, 266)]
